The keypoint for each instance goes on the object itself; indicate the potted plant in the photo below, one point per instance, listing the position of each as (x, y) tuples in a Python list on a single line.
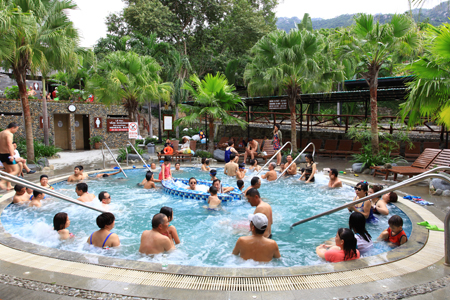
[(96, 141)]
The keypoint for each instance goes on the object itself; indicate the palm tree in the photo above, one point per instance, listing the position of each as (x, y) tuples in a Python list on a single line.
[(429, 92), (290, 64), (369, 46), (213, 97), (128, 79), (35, 35)]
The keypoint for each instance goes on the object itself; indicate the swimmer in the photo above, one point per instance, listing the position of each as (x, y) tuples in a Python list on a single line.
[(334, 182), (165, 169), (380, 205), (77, 174), (153, 167), (205, 164), (192, 184), (271, 175), (144, 181), (255, 183), (21, 195), (43, 180), (292, 169), (60, 223), (394, 234), (172, 232), (261, 207), (149, 183), (82, 191), (36, 201), (310, 170), (221, 189), (105, 198), (361, 190), (177, 166), (213, 201), (104, 238), (231, 167), (155, 241), (107, 174), (256, 246), (240, 174), (345, 248), (240, 184), (213, 173), (254, 165)]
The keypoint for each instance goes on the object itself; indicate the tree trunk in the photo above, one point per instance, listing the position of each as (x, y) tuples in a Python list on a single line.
[(22, 84), (177, 130), (150, 118), (374, 114), (159, 123), (292, 101), (44, 112), (211, 135)]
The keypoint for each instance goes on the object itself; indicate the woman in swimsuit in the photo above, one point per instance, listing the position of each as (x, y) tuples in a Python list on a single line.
[(104, 238), (172, 232), (192, 184), (361, 190), (310, 170), (205, 164), (60, 223), (374, 201)]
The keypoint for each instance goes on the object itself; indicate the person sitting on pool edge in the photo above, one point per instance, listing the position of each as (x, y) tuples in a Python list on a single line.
[(205, 164), (230, 149), (271, 175), (107, 174), (394, 234), (255, 183), (37, 197), (192, 184), (105, 198), (240, 184), (82, 191), (261, 207), (21, 195), (334, 182), (172, 231), (220, 189), (60, 223), (256, 246), (213, 201), (155, 241), (104, 238), (77, 174), (345, 248)]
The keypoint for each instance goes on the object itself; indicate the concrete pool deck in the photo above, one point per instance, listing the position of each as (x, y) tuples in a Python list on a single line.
[(418, 269)]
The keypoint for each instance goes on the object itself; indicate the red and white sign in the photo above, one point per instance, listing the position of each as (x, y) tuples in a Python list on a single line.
[(133, 130), (97, 122), (41, 122), (115, 125)]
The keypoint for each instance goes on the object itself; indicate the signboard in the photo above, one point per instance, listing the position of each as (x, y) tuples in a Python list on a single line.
[(278, 104), (41, 122), (97, 122), (168, 122), (114, 125), (133, 130)]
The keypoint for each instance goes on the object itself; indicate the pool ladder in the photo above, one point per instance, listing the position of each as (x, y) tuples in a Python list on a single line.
[(110, 152), (126, 150), (276, 153), (298, 156)]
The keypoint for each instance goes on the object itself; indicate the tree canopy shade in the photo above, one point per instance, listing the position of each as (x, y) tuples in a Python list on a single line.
[(369, 45), (429, 92), (33, 35), (291, 64), (213, 97), (129, 79)]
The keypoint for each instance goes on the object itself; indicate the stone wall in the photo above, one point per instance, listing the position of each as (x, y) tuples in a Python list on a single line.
[(113, 139)]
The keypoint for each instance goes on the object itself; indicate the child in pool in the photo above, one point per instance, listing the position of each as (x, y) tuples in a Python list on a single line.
[(394, 234), (213, 200), (36, 201), (240, 174), (240, 184), (60, 223), (165, 173), (357, 224), (213, 173), (172, 231), (205, 164)]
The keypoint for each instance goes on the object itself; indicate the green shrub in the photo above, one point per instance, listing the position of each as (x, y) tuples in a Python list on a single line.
[(203, 154), (151, 140), (64, 93), (12, 92), (40, 150), (123, 154)]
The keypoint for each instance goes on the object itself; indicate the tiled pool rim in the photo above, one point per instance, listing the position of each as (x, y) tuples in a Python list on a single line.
[(171, 188), (423, 249)]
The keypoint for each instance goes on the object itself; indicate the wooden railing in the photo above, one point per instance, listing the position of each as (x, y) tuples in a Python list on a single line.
[(311, 121)]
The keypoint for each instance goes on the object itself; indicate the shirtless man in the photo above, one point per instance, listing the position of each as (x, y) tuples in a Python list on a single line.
[(21, 195), (107, 174), (105, 198), (177, 166), (292, 169), (261, 207), (255, 183), (82, 191), (240, 174), (334, 182), (271, 175), (149, 183), (220, 189), (256, 246), (252, 149), (156, 241), (231, 167), (7, 154), (36, 201), (77, 174)]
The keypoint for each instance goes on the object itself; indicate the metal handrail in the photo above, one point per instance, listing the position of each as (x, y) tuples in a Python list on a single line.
[(104, 158), (447, 239), (307, 146), (110, 152), (145, 164), (407, 182), (267, 163), (28, 184)]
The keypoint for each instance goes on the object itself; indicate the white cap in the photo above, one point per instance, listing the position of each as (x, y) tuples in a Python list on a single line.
[(259, 220)]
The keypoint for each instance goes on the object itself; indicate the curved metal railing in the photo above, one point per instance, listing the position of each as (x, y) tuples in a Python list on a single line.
[(145, 164), (276, 153), (307, 146), (120, 167)]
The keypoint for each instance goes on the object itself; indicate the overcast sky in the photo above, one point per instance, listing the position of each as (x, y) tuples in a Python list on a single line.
[(90, 16)]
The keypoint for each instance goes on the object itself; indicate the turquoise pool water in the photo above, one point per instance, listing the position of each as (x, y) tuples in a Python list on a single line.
[(207, 237)]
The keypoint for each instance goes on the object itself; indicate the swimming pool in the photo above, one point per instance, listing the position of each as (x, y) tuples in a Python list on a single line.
[(207, 237)]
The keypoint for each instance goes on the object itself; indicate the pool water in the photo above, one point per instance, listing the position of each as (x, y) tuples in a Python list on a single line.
[(207, 237)]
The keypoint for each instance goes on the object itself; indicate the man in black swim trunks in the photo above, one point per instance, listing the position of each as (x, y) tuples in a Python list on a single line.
[(7, 153)]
